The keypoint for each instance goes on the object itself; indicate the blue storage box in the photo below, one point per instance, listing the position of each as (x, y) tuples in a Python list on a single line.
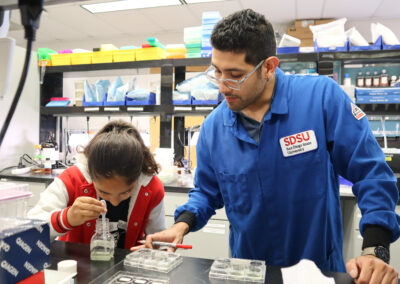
[(378, 95), (204, 102), (376, 46), (115, 103), (390, 47), (330, 49), (150, 101), (182, 102), (85, 103), (25, 248), (288, 49)]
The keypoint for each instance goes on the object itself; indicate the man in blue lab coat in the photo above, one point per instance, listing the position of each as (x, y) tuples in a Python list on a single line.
[(272, 152)]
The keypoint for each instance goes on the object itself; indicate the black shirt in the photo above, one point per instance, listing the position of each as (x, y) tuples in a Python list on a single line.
[(117, 216)]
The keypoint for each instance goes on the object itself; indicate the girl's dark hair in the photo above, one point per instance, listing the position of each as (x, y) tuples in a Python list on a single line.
[(245, 31), (118, 149)]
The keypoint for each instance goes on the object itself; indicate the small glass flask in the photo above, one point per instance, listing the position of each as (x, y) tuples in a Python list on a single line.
[(102, 242)]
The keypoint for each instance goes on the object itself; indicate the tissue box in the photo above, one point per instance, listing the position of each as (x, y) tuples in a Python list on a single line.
[(24, 248)]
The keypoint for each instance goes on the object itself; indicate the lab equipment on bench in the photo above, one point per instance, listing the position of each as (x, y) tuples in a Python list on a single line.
[(14, 199), (165, 244), (102, 243), (157, 260), (238, 269), (128, 277)]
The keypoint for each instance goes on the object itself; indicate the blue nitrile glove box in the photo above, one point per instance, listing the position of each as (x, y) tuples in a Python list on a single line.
[(24, 248)]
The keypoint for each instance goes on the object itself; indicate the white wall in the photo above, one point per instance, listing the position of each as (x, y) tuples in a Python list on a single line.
[(23, 131)]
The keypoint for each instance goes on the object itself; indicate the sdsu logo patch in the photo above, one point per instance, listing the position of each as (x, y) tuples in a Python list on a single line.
[(357, 112), (298, 143)]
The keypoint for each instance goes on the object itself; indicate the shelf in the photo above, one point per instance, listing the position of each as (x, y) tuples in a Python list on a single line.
[(380, 109), (129, 65), (176, 110), (353, 56)]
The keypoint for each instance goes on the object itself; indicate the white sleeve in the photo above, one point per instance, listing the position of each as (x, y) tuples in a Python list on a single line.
[(156, 222), (53, 198)]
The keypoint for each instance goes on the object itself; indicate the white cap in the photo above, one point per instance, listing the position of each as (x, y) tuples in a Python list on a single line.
[(70, 266)]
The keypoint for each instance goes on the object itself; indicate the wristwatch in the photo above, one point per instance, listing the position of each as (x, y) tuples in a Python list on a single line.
[(379, 251)]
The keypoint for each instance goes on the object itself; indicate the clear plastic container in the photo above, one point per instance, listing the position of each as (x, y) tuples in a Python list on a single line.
[(102, 243), (157, 260), (238, 269), (128, 277), (14, 199)]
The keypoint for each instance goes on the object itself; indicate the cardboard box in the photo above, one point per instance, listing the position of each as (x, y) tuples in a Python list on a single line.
[(24, 248), (307, 42)]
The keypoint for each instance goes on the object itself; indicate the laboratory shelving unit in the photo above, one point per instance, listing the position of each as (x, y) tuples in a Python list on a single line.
[(174, 71)]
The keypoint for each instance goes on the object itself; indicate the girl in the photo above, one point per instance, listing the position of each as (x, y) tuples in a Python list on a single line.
[(118, 168)]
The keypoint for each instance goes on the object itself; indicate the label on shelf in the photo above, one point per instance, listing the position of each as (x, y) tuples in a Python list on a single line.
[(134, 108), (204, 108), (183, 108), (88, 109), (111, 109)]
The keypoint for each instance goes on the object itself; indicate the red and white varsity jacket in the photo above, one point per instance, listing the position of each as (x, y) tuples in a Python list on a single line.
[(145, 214)]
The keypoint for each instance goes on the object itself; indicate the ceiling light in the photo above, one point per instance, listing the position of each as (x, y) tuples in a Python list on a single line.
[(128, 5)]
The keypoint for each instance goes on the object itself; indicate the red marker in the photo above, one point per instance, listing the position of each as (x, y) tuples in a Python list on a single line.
[(168, 244)]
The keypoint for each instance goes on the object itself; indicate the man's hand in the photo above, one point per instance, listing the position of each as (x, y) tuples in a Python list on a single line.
[(84, 209), (172, 235), (369, 269)]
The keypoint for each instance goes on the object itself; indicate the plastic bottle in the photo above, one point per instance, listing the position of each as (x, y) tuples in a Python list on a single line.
[(376, 80), (393, 80), (102, 243), (347, 80), (368, 80), (360, 80), (37, 157), (384, 80)]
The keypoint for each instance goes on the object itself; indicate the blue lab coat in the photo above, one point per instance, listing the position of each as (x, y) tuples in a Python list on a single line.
[(282, 209)]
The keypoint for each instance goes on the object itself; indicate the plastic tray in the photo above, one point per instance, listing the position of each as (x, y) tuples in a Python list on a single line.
[(124, 55), (238, 269), (150, 101), (288, 49), (157, 260), (81, 58), (115, 103), (131, 278), (14, 199), (150, 53), (85, 103), (376, 46), (61, 59), (330, 49), (204, 102), (102, 56)]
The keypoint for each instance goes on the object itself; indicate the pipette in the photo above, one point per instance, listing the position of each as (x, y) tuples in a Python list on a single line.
[(103, 221), (155, 243)]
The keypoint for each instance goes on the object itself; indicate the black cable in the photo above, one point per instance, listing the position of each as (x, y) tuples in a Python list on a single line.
[(18, 92), (8, 168), (30, 16)]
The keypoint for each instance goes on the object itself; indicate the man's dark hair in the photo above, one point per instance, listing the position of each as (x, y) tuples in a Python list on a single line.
[(118, 149), (245, 31)]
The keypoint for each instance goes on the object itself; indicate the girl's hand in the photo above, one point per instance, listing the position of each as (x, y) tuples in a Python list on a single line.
[(84, 209)]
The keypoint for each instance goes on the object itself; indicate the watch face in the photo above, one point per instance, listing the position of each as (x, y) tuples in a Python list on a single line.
[(382, 253)]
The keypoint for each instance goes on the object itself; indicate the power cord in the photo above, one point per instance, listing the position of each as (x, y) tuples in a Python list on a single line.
[(30, 17)]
